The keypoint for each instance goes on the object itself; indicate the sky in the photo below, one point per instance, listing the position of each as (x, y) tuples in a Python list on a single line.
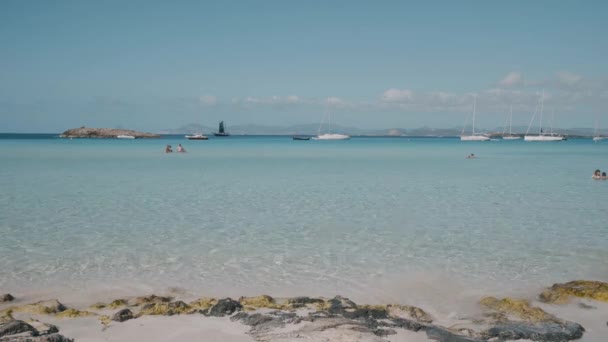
[(154, 65)]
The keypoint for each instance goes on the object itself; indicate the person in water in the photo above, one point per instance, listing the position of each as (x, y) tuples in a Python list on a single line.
[(180, 148), (604, 175), (597, 174), (168, 149), (471, 156)]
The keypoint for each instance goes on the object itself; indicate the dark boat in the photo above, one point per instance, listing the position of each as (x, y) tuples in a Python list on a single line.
[(221, 132), (301, 138)]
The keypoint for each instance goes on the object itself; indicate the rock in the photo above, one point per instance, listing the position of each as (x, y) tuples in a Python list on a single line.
[(122, 315), (298, 302), (410, 312), (263, 301), (366, 312), (517, 307), (338, 304), (542, 331), (443, 335), (586, 306), (408, 324), (165, 309), (87, 132), (7, 297), (224, 307), (52, 306), (561, 293), (152, 299), (203, 303), (16, 327), (43, 328), (52, 338)]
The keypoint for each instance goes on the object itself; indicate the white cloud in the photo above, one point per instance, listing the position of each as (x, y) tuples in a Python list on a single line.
[(511, 79), (208, 100), (568, 78), (397, 95)]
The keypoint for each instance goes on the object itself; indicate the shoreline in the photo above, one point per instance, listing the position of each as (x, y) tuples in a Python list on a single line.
[(561, 312)]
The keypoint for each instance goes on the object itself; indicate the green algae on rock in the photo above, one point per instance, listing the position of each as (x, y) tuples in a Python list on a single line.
[(517, 307), (44, 307), (73, 313), (562, 293), (165, 309)]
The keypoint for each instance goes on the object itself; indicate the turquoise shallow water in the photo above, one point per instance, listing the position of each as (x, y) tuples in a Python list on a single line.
[(272, 215)]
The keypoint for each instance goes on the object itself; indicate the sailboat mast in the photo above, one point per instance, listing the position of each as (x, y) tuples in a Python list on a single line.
[(474, 108), (542, 102), (511, 120)]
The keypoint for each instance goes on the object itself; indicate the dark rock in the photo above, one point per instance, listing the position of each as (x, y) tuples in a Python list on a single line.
[(224, 307), (443, 335), (122, 315), (366, 313), (407, 324), (338, 304), (586, 306), (53, 338), (544, 331), (253, 319), (6, 298), (16, 327), (384, 332)]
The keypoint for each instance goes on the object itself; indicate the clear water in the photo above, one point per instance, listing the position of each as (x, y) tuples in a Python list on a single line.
[(272, 215)]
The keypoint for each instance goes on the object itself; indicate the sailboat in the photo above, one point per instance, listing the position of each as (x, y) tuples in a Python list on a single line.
[(596, 135), (329, 135), (510, 136), (473, 136), (542, 136), (221, 132)]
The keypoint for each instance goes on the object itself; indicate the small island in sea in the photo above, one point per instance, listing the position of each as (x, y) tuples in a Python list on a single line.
[(89, 132)]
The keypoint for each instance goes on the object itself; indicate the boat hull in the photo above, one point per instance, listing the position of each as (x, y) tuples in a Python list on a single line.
[(301, 138), (511, 138), (217, 134), (332, 137), (598, 138), (125, 137), (474, 138), (544, 138), (197, 138)]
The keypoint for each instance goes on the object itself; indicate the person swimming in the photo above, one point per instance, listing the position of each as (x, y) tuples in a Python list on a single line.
[(471, 156), (180, 148), (603, 176), (168, 149), (597, 174)]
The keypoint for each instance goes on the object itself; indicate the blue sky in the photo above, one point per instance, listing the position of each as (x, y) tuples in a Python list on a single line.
[(152, 65)]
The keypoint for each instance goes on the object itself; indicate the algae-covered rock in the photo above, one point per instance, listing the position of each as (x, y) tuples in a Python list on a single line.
[(152, 299), (7, 297), (52, 306), (73, 313), (337, 305), (263, 301), (6, 315), (517, 307), (561, 293), (98, 306), (411, 312), (165, 309), (444, 335), (203, 303), (122, 315), (48, 338), (224, 307), (298, 302)]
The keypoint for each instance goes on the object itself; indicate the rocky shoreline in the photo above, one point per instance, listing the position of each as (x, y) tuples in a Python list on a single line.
[(88, 132), (319, 319)]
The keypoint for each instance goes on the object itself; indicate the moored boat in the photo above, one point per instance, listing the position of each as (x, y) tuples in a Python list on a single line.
[(125, 137), (197, 137), (221, 131)]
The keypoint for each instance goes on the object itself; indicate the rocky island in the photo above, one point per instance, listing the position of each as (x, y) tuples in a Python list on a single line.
[(88, 132)]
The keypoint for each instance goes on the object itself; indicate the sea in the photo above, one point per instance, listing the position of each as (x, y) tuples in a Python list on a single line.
[(379, 219)]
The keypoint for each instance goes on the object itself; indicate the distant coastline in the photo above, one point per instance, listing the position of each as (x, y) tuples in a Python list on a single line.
[(104, 133)]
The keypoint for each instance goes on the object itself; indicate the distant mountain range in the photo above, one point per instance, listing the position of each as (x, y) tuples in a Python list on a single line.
[(312, 129)]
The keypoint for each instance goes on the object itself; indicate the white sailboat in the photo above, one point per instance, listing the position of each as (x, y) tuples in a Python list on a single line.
[(596, 135), (329, 135), (542, 136), (473, 136), (510, 136)]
